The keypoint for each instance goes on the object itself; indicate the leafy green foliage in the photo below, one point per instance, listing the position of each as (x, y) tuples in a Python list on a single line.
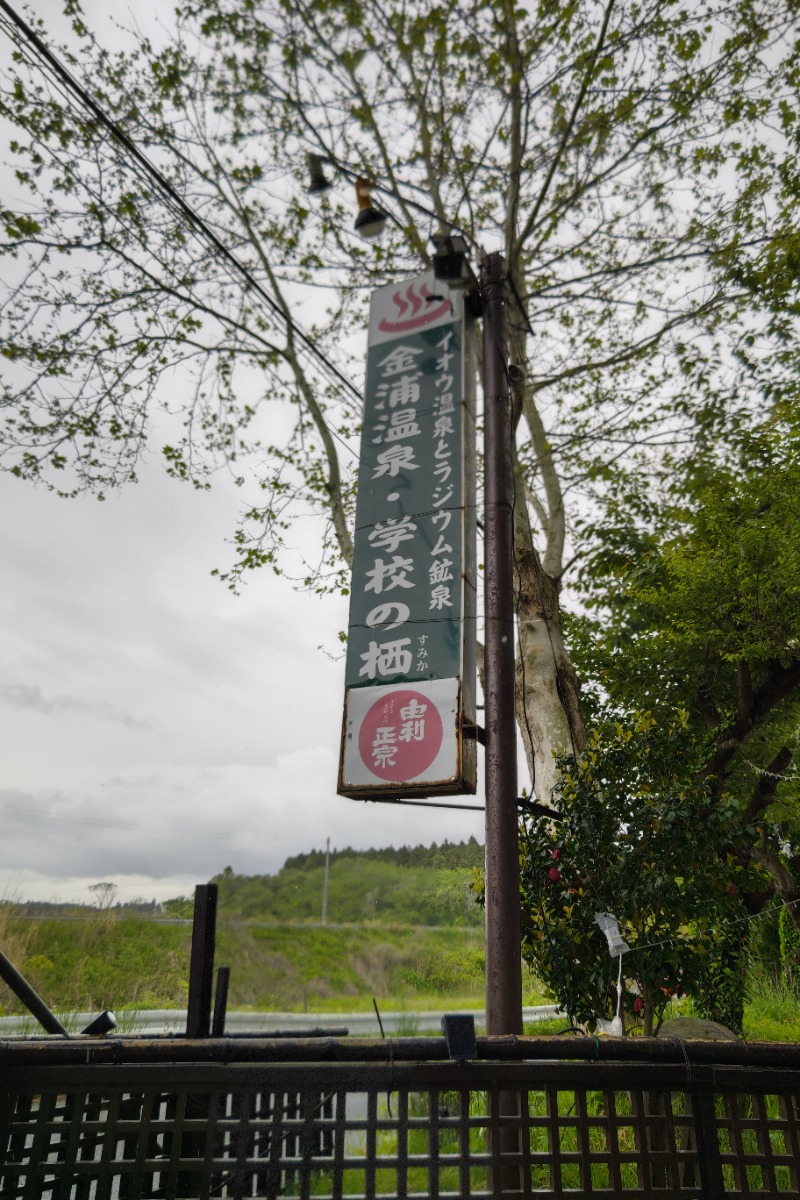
[(692, 605), (452, 855), (396, 931), (640, 840), (771, 1013), (721, 579), (721, 988), (789, 944), (90, 963), (637, 164)]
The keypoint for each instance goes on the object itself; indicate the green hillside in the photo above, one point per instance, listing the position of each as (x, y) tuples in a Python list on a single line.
[(402, 926), (420, 885), (358, 890)]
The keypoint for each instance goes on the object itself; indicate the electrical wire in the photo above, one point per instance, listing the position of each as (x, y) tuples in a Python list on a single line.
[(688, 938), (200, 226), (172, 196)]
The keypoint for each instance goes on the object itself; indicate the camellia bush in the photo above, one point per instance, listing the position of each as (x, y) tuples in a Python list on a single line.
[(637, 840)]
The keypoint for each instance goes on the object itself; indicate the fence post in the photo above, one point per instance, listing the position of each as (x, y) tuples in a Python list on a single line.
[(201, 966), (221, 1002), (712, 1184)]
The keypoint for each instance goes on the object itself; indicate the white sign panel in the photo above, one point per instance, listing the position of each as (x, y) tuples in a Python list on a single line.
[(403, 736)]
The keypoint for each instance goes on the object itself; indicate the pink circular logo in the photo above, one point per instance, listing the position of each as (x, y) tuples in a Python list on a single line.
[(401, 735)]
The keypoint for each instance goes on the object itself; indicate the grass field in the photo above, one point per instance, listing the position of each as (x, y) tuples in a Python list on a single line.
[(106, 961), (102, 960)]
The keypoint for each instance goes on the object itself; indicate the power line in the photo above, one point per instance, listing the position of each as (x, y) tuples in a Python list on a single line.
[(172, 195), (699, 937)]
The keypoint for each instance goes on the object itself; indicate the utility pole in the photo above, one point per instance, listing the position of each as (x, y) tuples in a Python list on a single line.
[(325, 881), (503, 960), (503, 925)]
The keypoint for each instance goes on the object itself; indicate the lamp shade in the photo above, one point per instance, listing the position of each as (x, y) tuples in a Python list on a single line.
[(370, 221)]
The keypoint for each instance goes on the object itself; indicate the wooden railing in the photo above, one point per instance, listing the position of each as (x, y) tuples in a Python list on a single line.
[(123, 1118)]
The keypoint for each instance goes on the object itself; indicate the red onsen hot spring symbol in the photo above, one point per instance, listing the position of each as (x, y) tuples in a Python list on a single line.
[(401, 735), (415, 309)]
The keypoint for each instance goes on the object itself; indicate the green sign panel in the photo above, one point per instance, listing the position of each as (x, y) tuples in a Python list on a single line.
[(407, 605), (413, 587)]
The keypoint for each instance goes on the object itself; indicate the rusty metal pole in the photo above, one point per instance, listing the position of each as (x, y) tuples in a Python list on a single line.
[(503, 959)]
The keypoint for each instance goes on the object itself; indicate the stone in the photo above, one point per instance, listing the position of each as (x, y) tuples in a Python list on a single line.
[(696, 1029)]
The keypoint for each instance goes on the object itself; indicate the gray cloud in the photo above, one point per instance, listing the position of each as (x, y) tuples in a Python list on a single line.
[(187, 821), (22, 695)]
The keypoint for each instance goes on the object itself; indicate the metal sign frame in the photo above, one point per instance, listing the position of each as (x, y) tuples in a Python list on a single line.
[(409, 716)]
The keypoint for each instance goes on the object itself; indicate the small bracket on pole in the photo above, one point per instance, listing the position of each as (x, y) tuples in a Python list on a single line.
[(452, 266), (473, 732), (532, 808)]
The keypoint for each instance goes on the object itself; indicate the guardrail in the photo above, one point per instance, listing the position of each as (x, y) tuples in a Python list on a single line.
[(534, 1117), (159, 1021)]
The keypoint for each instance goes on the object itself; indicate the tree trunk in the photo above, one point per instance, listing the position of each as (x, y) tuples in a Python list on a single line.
[(720, 996), (768, 856), (548, 692), (548, 704)]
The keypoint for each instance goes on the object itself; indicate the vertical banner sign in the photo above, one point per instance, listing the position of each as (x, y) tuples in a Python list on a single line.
[(409, 685)]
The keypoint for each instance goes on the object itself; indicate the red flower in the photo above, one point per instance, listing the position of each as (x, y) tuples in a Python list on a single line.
[(554, 874), (638, 1004), (555, 855)]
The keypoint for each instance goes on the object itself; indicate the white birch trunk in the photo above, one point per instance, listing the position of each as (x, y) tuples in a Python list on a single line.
[(548, 693)]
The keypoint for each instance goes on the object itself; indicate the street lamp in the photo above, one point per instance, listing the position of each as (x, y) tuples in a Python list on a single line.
[(371, 220), (450, 262)]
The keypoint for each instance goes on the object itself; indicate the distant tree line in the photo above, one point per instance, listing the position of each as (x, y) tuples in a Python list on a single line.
[(55, 908), (447, 856)]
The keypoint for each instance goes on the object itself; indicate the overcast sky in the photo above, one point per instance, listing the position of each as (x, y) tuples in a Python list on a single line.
[(155, 728)]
